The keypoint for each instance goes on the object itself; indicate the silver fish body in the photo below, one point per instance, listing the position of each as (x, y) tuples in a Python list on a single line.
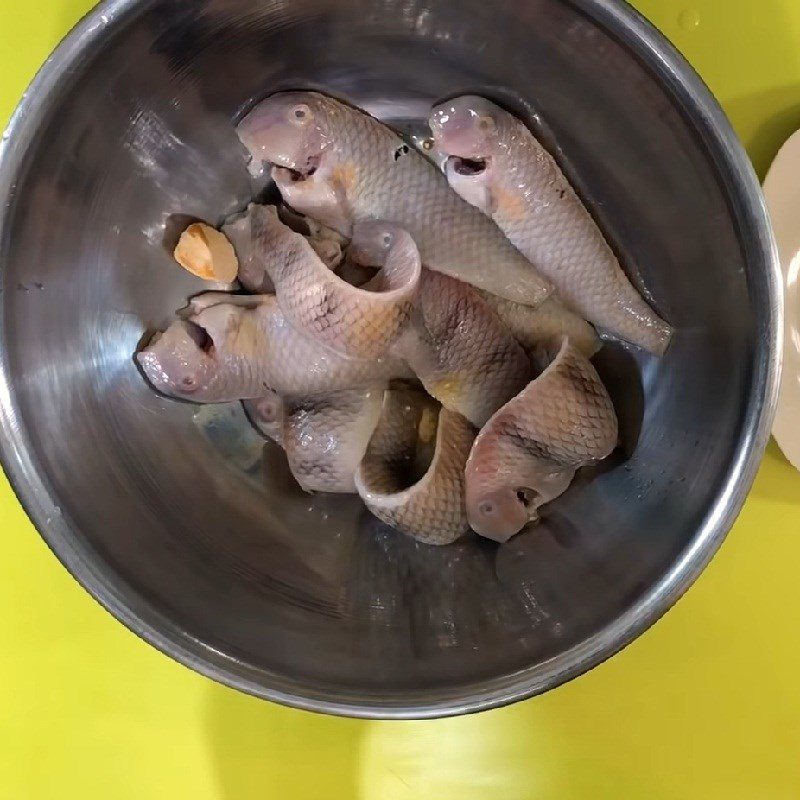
[(539, 329), (252, 273), (454, 342), (325, 437), (359, 322), (424, 501), (242, 232), (464, 355), (342, 166), (528, 452), (224, 351), (499, 166)]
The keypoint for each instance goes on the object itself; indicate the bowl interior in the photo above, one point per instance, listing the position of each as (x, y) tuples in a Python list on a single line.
[(172, 512)]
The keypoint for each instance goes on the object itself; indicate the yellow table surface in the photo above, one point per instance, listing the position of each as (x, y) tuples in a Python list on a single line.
[(705, 705)]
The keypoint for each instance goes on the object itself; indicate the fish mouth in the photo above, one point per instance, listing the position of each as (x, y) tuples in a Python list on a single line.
[(468, 167), (302, 173), (200, 336)]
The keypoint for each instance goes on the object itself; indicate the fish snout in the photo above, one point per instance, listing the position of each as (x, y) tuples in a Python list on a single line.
[(462, 128), (288, 129), (269, 137), (372, 242), (165, 377), (176, 362), (499, 514)]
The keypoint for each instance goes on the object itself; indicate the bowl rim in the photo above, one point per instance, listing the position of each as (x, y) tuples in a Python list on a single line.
[(736, 174)]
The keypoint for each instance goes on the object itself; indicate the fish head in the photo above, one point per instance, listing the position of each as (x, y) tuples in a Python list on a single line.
[(194, 355), (373, 241), (501, 503), (179, 362), (497, 513), (467, 130), (467, 126), (288, 129)]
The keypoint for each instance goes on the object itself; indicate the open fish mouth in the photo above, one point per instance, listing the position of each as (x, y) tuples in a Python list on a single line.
[(199, 335), (306, 171), (469, 167)]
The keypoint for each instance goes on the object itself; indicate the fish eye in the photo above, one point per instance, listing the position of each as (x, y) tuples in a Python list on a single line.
[(270, 410), (386, 240), (300, 114), (486, 124), (188, 382), (486, 508)]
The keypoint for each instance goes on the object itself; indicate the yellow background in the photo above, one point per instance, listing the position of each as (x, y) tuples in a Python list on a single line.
[(706, 705)]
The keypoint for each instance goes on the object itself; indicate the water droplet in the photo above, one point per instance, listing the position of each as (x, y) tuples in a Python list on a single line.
[(689, 19)]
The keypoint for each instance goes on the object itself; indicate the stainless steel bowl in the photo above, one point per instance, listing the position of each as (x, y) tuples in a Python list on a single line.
[(171, 518)]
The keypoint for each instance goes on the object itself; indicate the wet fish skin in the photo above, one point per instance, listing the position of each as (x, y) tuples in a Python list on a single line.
[(528, 452), (358, 322), (266, 415), (460, 350), (539, 329), (242, 231), (499, 166), (343, 166), (454, 342), (428, 507), (252, 273), (325, 437), (225, 351)]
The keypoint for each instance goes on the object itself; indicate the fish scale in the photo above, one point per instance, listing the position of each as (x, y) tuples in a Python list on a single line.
[(431, 509), (375, 175), (463, 354), (562, 420), (536, 207), (352, 321), (325, 437), (565, 415), (541, 329), (254, 349)]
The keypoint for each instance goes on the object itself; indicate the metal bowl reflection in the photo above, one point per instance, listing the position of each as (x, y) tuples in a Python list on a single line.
[(170, 516)]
